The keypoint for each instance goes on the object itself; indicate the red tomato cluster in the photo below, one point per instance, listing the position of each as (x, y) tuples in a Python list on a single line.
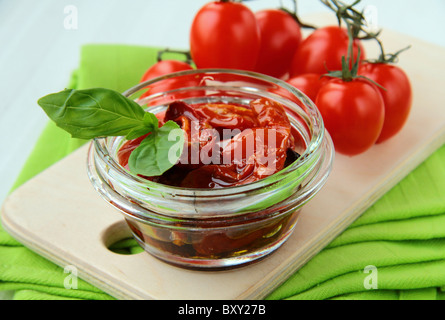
[(228, 34), (357, 112), (370, 108)]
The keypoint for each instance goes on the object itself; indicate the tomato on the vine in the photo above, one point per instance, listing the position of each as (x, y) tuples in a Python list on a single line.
[(323, 50), (397, 95), (280, 37), (309, 83), (225, 34), (353, 112)]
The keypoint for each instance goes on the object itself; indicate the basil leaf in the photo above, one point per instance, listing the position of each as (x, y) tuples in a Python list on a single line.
[(158, 152), (151, 124), (97, 112)]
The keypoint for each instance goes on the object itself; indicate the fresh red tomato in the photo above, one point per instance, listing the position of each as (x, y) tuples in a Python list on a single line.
[(280, 37), (397, 95), (353, 113), (225, 35), (323, 50), (164, 67), (308, 83)]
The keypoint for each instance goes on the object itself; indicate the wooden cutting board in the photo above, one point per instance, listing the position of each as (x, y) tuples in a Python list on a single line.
[(59, 215)]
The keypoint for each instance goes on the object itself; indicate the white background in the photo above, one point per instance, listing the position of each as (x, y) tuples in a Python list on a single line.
[(38, 54)]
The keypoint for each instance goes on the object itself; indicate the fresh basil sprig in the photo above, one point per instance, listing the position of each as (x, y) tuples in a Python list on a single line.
[(100, 112)]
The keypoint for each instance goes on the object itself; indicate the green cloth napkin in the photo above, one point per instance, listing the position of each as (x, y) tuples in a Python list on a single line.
[(401, 238)]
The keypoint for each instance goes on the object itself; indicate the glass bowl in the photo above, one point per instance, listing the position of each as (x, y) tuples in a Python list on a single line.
[(212, 229)]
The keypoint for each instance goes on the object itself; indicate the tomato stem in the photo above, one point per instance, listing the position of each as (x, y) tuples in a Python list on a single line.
[(356, 22), (390, 57), (294, 15), (187, 54), (350, 67), (351, 16), (348, 72)]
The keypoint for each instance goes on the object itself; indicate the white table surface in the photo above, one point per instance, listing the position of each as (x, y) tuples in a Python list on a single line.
[(38, 53)]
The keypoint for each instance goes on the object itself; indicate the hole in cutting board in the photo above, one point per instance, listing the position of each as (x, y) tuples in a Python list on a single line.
[(118, 239)]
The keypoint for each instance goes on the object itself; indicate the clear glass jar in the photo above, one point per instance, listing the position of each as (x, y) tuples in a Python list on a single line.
[(216, 228)]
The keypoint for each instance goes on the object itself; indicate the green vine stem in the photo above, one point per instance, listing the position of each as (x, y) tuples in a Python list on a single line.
[(355, 20), (349, 67), (348, 14), (186, 54), (387, 57), (295, 15), (349, 70)]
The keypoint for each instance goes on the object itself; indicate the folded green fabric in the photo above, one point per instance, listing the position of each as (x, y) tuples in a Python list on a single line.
[(401, 235), (395, 250)]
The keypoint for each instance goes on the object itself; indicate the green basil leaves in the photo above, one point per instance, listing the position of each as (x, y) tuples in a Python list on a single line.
[(156, 152), (99, 112)]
